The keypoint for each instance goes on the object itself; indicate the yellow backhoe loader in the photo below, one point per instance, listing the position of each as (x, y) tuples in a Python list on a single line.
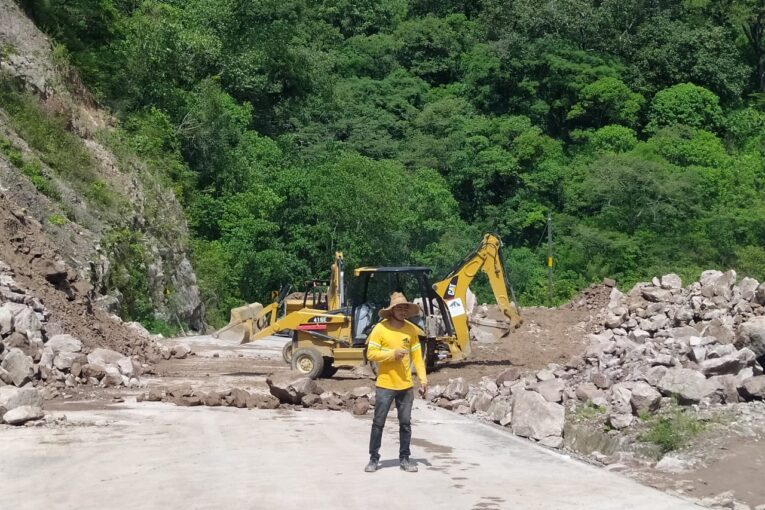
[(323, 340), (254, 321), (453, 289)]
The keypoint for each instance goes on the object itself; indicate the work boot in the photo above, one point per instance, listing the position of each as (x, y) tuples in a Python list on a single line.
[(408, 465), (372, 466)]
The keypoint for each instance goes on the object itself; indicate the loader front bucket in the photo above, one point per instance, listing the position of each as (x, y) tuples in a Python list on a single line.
[(240, 326)]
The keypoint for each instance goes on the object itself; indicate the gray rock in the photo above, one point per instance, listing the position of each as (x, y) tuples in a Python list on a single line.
[(545, 375), (620, 420), (290, 390), (180, 351), (500, 411), (481, 402), (759, 294), (720, 330), (361, 406), (536, 418), (456, 389), (434, 392), (65, 360), (112, 378), (671, 281), (27, 322), (721, 285), (551, 390), (748, 287), (23, 414), (672, 464), (656, 294), (509, 375), (727, 364), (752, 334), (690, 386), (104, 357), (753, 387), (644, 398), (19, 366), (64, 343), (684, 332), (362, 391), (588, 391), (94, 371), (125, 366), (6, 320), (12, 397)]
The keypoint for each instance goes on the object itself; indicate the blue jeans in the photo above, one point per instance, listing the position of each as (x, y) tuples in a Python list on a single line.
[(383, 400)]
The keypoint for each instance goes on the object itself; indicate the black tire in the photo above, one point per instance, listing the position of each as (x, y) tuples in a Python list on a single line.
[(309, 362), (287, 353), (329, 370)]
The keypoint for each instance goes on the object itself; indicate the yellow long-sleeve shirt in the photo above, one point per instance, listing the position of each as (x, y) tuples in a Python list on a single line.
[(383, 341)]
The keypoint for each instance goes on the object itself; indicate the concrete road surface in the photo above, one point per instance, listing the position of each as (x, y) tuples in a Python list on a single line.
[(159, 456)]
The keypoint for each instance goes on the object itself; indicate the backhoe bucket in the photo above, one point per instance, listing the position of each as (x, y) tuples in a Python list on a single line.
[(240, 326)]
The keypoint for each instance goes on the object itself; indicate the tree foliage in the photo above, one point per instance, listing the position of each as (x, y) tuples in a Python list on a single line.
[(399, 131)]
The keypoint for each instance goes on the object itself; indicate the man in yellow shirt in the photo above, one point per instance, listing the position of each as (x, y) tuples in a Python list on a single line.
[(393, 344)]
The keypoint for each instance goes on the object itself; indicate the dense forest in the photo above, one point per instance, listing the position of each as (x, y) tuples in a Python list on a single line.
[(400, 131)]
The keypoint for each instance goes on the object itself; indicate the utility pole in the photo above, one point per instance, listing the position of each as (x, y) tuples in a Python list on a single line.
[(549, 261)]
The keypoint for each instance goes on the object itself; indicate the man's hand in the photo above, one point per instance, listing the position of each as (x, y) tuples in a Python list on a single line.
[(399, 354), (423, 390)]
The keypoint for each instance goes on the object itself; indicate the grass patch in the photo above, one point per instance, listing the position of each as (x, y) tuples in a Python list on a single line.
[(31, 168), (57, 147), (57, 219), (589, 411), (672, 431)]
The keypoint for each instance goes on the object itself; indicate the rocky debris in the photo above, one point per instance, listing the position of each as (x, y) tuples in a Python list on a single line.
[(30, 354)]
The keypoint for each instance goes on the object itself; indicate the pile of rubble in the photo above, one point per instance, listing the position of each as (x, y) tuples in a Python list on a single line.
[(30, 357), (660, 344), (286, 391)]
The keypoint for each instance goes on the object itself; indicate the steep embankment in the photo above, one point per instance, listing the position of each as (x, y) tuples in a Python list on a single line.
[(114, 222)]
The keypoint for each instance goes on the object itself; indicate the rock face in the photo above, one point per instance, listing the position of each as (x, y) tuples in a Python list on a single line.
[(536, 418)]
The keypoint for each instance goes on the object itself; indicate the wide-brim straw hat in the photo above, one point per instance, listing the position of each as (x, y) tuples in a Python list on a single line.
[(396, 299)]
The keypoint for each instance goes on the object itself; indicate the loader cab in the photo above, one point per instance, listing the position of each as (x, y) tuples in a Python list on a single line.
[(316, 294), (372, 290)]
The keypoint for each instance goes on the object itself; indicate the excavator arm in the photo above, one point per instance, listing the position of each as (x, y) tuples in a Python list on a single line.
[(454, 288)]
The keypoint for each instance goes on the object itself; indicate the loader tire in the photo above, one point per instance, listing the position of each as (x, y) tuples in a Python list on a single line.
[(287, 353), (308, 362), (329, 369)]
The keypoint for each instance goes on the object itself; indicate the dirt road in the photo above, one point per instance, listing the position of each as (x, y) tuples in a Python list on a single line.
[(154, 455)]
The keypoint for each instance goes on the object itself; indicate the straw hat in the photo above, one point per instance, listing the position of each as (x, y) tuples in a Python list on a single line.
[(398, 298)]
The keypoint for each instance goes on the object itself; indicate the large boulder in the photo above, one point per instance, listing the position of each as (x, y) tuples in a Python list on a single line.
[(27, 322), (500, 411), (656, 294), (19, 366), (65, 360), (64, 343), (644, 398), (752, 388), (104, 357), (748, 287), (727, 364), (23, 414), (715, 283), (456, 389), (6, 320), (534, 417), (690, 386), (752, 334), (551, 390), (671, 281), (12, 397), (291, 390)]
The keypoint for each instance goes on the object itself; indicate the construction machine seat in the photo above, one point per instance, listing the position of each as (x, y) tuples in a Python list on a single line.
[(363, 321)]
